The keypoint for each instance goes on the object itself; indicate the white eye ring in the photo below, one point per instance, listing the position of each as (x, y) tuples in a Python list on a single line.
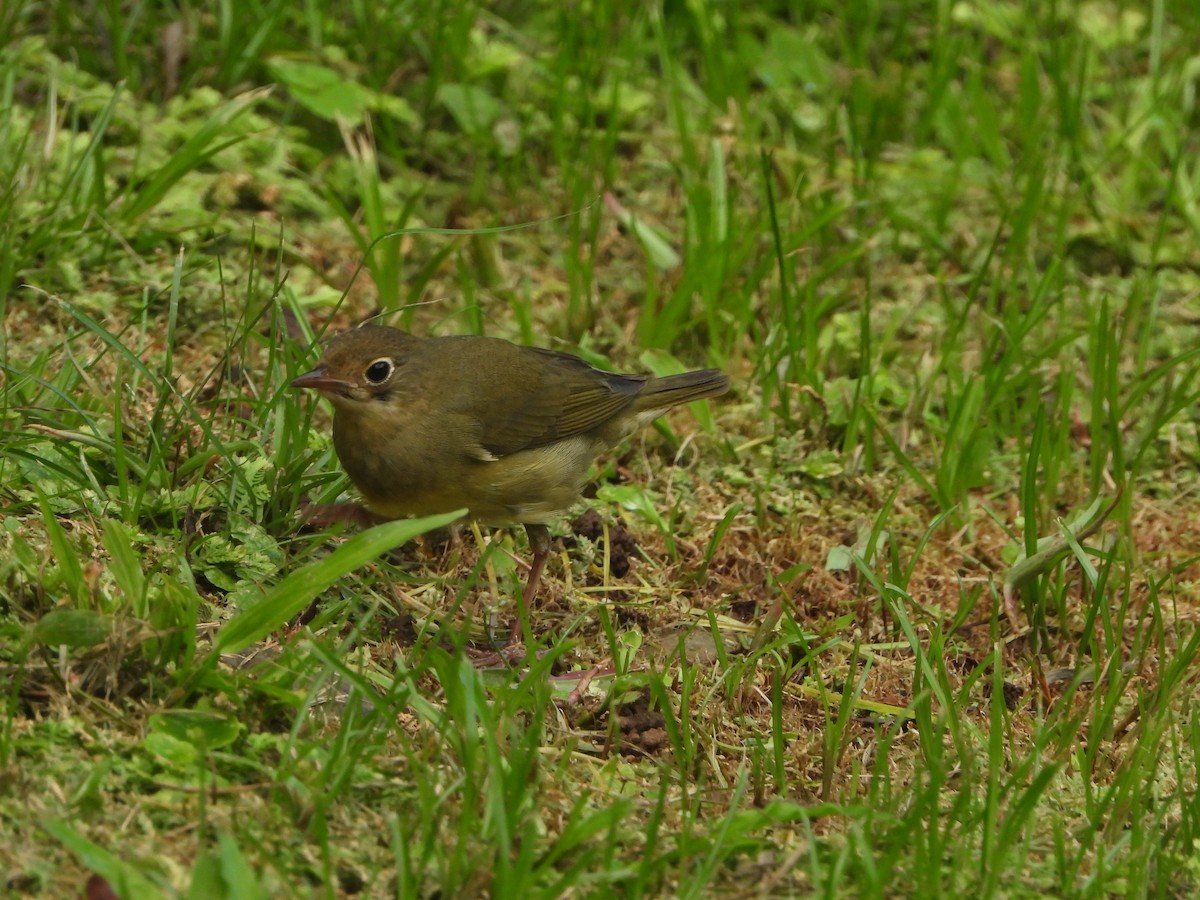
[(380, 370)]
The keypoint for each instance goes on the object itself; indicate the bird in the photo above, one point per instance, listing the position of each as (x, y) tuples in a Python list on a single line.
[(432, 424)]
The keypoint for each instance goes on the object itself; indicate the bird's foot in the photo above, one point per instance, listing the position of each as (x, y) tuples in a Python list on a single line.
[(323, 515), (500, 657)]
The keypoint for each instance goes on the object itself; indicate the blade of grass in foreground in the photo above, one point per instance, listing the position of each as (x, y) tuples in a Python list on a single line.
[(123, 875), (297, 590), (213, 136)]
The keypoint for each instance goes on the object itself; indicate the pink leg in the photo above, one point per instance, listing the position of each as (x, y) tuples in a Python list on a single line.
[(539, 543), (326, 514)]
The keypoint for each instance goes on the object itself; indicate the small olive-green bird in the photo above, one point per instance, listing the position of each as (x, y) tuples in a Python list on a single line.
[(427, 425)]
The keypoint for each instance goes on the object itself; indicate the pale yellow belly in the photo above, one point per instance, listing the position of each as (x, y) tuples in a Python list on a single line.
[(531, 486)]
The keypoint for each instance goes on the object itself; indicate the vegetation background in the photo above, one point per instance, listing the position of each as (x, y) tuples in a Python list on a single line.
[(912, 612)]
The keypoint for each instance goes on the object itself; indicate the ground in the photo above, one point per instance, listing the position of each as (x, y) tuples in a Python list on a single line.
[(911, 611)]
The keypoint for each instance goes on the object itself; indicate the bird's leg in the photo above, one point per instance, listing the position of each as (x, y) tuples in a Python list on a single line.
[(539, 543)]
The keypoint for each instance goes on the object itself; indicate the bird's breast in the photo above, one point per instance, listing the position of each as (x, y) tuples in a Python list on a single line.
[(420, 470)]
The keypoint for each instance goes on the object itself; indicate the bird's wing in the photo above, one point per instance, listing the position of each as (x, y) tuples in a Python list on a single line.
[(534, 397)]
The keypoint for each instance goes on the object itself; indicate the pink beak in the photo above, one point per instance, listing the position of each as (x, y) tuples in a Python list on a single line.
[(319, 379)]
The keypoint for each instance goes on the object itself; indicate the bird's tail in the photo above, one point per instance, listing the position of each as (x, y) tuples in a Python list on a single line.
[(672, 390)]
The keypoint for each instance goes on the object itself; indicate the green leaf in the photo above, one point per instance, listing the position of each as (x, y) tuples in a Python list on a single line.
[(122, 876), (793, 59), (72, 628), (64, 553), (198, 727), (238, 874), (172, 751), (1051, 549), (126, 567), (323, 91), (661, 363), (242, 556), (634, 498), (819, 465), (658, 248), (206, 878), (839, 559), (473, 108)]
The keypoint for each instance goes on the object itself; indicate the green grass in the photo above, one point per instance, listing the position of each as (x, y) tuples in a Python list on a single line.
[(911, 612)]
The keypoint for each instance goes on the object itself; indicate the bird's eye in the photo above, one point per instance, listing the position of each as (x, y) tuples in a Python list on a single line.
[(379, 371)]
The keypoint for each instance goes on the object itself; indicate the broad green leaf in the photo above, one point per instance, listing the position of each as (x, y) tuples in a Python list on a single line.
[(238, 874), (201, 728), (473, 108), (171, 750), (72, 628), (122, 876), (325, 92), (658, 248), (634, 498), (126, 567)]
